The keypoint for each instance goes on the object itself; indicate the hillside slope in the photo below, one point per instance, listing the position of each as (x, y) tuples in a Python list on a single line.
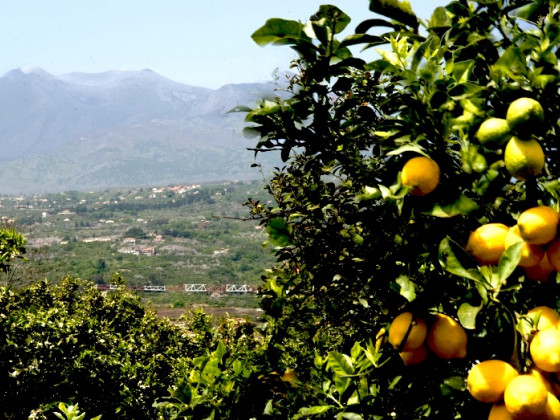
[(87, 131)]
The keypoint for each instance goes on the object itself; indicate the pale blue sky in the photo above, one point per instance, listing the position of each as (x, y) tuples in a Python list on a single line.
[(198, 42)]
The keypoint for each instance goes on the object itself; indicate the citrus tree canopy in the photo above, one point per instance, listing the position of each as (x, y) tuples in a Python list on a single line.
[(402, 178)]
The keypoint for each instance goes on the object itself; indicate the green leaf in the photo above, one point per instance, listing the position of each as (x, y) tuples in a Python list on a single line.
[(411, 147), (369, 193), (279, 32), (467, 315), (269, 408), (462, 206), (453, 384), (440, 18), (330, 15), (339, 363), (509, 261), (279, 231), (464, 90), (526, 12), (352, 416), (318, 360), (447, 254), (240, 108), (461, 70), (312, 411), (355, 351), (367, 24), (407, 287), (511, 63), (395, 9), (362, 39)]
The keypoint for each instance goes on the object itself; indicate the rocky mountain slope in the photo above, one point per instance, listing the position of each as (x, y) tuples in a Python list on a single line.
[(90, 131)]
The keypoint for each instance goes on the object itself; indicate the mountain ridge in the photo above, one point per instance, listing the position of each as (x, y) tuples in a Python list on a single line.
[(79, 130)]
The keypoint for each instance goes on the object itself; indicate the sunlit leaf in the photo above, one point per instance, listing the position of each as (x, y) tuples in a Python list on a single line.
[(509, 261), (333, 17), (467, 315), (407, 288), (462, 206), (312, 411), (412, 147), (339, 363), (511, 63), (439, 18), (279, 32)]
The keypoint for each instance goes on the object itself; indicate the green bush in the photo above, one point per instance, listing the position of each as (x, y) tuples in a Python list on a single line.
[(70, 342)]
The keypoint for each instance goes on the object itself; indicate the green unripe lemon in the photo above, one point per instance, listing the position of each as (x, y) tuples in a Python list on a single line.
[(493, 132), (525, 116), (523, 158)]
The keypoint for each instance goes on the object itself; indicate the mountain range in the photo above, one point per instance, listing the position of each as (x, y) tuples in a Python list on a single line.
[(90, 131)]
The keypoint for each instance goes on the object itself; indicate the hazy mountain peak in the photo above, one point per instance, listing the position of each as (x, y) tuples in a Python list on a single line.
[(28, 71), (33, 70), (86, 130)]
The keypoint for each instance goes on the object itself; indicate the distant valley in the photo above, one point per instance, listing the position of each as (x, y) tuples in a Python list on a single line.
[(84, 131)]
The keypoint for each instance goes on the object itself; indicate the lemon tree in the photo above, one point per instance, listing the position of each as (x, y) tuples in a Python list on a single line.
[(408, 186)]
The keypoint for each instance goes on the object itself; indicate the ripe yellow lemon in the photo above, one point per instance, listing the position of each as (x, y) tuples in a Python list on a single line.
[(407, 323), (546, 315), (525, 397), (414, 356), (487, 381), (544, 377), (545, 349), (487, 243), (530, 254), (525, 116), (499, 412), (447, 338), (553, 254), (421, 174), (552, 409), (538, 225), (493, 132), (540, 272), (523, 158)]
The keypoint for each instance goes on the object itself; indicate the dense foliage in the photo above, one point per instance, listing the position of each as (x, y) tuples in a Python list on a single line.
[(69, 342), (104, 351), (355, 247)]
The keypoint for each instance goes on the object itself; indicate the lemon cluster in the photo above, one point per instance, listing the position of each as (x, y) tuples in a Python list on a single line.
[(536, 227), (530, 395), (415, 340), (523, 155)]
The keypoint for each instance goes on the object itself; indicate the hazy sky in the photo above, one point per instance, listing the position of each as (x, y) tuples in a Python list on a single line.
[(197, 42)]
